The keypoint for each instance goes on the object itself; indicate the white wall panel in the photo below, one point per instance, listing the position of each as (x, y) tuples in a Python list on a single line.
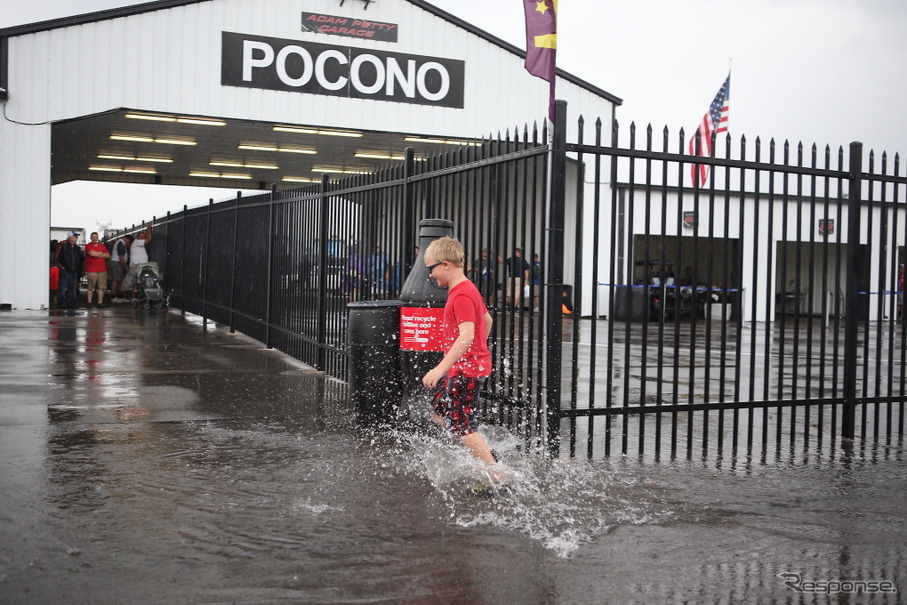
[(24, 214)]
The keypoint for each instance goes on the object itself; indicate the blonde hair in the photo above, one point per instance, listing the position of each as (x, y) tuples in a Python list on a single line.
[(446, 249)]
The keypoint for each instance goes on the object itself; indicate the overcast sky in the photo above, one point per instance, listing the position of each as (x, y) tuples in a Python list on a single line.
[(811, 71)]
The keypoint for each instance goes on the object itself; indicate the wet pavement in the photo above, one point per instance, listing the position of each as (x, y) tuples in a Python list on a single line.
[(148, 460)]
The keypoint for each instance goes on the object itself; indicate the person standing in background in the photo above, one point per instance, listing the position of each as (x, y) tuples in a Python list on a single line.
[(138, 253), (900, 291), (96, 256), (536, 281), (70, 260), (54, 273), (483, 272), (354, 274), (379, 268), (119, 266), (517, 276), (138, 256)]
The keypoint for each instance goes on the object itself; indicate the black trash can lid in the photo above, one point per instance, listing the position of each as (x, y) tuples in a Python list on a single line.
[(374, 304), (435, 227)]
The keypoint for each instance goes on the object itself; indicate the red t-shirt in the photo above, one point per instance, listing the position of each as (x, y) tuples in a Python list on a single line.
[(464, 303), (94, 264)]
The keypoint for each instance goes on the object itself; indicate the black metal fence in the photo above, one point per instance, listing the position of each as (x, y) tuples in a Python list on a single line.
[(282, 266), (653, 318), (762, 310)]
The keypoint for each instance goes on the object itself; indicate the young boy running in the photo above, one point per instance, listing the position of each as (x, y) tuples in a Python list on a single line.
[(467, 363)]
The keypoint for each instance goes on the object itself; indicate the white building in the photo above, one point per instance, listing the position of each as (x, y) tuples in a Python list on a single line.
[(243, 94)]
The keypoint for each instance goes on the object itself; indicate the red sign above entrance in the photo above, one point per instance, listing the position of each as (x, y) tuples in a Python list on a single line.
[(347, 26), (420, 329)]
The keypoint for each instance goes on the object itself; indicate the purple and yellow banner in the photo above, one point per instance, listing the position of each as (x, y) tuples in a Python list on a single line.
[(541, 42)]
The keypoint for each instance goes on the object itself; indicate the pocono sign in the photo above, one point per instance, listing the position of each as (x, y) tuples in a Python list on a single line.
[(324, 69)]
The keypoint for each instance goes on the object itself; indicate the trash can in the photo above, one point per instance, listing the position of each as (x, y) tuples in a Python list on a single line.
[(631, 303), (421, 315), (373, 340)]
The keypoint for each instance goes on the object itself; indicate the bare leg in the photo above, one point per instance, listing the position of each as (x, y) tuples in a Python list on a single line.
[(479, 448)]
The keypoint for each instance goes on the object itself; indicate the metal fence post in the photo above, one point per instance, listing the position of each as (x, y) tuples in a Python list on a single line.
[(554, 318), (166, 255), (321, 302), (270, 269), (409, 212), (233, 263), (183, 264), (205, 275), (853, 296)]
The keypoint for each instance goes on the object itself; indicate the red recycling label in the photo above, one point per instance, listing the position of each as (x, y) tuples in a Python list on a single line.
[(420, 329)]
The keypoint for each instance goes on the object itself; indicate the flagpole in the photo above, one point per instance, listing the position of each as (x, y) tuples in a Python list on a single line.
[(554, 282), (541, 59)]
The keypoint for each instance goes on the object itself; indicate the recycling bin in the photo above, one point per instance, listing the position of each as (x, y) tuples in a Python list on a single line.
[(373, 330)]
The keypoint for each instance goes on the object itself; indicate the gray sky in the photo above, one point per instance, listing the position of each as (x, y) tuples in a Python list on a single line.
[(812, 71)]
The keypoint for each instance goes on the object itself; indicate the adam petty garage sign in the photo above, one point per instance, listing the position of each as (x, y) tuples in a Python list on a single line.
[(324, 69)]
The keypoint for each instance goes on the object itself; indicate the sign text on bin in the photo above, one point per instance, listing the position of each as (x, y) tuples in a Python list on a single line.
[(420, 329)]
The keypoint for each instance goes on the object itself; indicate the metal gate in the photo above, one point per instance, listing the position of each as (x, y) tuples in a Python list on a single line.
[(760, 312), (645, 316)]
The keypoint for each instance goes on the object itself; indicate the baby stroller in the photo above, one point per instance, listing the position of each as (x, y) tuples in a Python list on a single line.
[(149, 291)]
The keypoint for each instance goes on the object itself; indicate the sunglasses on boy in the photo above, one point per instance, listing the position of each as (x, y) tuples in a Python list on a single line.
[(432, 281)]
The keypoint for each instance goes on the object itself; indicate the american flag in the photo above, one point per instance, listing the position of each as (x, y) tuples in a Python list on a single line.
[(714, 121)]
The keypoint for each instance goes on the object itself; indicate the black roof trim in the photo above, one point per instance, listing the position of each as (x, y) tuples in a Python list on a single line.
[(146, 7)]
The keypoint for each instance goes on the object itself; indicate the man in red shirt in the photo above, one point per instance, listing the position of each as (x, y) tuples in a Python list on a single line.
[(96, 256), (467, 363)]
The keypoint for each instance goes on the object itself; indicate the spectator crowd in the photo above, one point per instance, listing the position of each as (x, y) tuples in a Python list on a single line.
[(73, 269)]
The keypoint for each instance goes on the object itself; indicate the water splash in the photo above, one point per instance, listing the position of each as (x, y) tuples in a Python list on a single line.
[(562, 504)]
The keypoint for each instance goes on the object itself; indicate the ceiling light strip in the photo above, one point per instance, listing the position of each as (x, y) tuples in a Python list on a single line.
[(201, 122), (329, 133), (117, 169), (130, 158), (221, 175), (262, 147), (181, 120), (244, 165), (154, 118), (378, 156), (342, 170), (146, 139), (443, 141)]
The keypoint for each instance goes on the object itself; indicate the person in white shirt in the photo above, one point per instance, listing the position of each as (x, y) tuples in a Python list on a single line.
[(138, 253), (138, 256)]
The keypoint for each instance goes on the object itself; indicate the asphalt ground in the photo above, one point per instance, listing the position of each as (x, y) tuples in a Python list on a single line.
[(147, 458)]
